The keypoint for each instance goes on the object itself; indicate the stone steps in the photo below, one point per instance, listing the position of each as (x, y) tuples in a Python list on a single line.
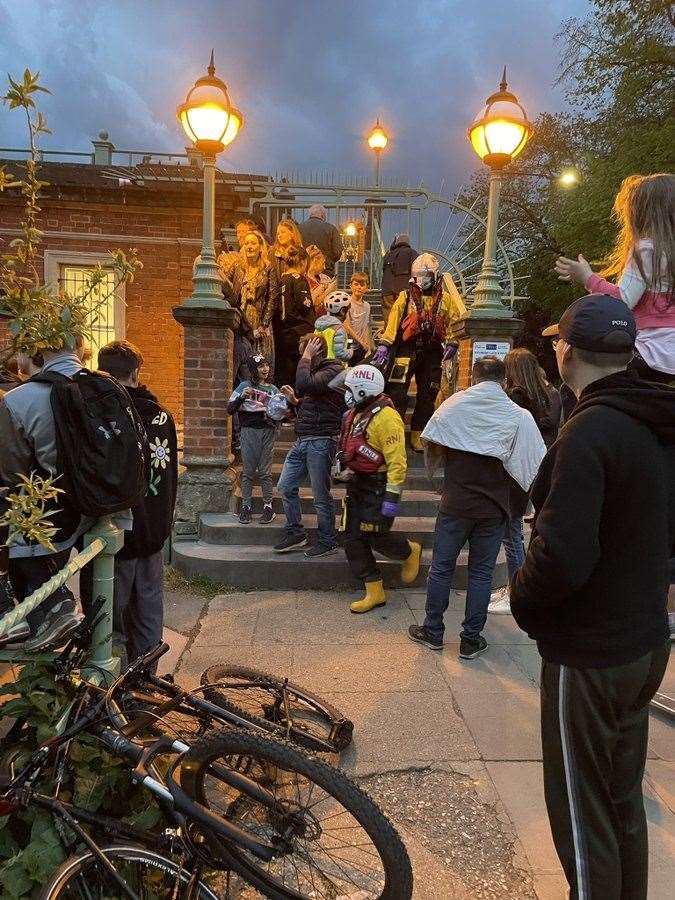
[(224, 529), (250, 566), (414, 504), (417, 479)]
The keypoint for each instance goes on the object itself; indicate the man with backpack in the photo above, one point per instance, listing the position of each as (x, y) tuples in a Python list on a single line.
[(80, 427), (139, 567)]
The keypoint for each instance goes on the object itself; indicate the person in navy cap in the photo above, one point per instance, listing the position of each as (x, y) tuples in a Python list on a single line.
[(593, 591)]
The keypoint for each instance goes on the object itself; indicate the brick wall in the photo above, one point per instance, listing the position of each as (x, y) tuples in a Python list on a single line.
[(208, 384), (168, 223)]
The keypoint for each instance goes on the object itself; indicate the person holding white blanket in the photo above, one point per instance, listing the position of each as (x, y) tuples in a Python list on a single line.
[(491, 449)]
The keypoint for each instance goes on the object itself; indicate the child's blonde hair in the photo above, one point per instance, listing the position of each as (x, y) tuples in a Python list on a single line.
[(645, 208)]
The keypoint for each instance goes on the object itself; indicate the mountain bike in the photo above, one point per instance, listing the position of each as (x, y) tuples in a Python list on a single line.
[(290, 824)]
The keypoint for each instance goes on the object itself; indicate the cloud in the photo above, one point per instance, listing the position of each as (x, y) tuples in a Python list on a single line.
[(310, 77)]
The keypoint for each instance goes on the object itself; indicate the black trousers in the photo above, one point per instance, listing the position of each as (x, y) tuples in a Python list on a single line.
[(425, 365), (364, 529), (594, 726), (29, 573)]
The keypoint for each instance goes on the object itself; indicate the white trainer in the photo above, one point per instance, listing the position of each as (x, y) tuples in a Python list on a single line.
[(500, 605)]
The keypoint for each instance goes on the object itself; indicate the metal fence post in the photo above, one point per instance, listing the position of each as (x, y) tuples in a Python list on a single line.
[(103, 586)]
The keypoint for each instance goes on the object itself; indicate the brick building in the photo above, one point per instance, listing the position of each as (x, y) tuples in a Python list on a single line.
[(90, 209)]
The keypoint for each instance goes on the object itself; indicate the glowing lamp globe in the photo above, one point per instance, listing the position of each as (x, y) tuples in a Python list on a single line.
[(569, 178), (350, 230), (377, 139), (501, 129), (207, 116)]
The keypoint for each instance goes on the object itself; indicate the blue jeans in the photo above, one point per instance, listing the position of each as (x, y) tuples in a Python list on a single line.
[(485, 538), (313, 457), (514, 545)]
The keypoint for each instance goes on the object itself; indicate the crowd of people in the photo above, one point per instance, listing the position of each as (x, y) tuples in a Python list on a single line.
[(594, 463)]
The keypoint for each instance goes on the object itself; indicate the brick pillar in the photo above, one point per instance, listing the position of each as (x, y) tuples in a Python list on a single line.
[(209, 479), (468, 331)]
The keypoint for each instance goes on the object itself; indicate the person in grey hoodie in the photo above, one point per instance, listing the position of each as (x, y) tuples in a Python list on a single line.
[(29, 445)]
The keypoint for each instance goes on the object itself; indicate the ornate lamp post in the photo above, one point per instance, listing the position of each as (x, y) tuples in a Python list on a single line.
[(377, 141), (349, 233), (498, 134), (211, 123)]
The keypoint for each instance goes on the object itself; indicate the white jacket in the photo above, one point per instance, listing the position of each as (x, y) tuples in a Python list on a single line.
[(483, 420)]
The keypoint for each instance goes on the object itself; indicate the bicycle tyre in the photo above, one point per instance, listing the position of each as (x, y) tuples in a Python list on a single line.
[(65, 877), (273, 756), (333, 728)]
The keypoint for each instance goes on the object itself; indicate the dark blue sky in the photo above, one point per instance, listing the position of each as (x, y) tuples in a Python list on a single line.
[(310, 77)]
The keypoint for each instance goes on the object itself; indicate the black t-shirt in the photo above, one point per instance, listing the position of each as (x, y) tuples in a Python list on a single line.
[(475, 486)]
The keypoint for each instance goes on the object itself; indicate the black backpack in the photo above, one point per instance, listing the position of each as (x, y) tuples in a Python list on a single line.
[(101, 446)]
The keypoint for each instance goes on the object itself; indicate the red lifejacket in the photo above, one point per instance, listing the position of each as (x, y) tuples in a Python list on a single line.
[(358, 455)]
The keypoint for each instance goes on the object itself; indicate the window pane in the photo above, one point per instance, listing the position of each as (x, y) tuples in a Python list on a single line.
[(75, 280)]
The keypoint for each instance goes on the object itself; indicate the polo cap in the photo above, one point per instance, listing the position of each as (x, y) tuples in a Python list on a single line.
[(597, 323)]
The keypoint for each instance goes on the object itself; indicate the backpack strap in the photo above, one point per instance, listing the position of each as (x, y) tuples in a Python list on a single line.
[(50, 377)]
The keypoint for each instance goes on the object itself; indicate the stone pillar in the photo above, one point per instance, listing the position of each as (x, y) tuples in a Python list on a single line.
[(209, 479), (469, 330)]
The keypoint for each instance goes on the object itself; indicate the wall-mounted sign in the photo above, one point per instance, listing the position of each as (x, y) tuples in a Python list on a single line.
[(489, 348)]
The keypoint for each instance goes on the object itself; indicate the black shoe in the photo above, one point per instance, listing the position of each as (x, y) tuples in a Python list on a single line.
[(319, 550), (268, 515), (245, 515), (420, 635), (469, 649), (59, 622), (291, 542)]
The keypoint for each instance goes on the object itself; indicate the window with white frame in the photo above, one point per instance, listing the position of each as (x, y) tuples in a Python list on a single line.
[(72, 272)]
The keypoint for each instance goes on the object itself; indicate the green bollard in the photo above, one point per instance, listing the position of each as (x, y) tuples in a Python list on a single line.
[(103, 586)]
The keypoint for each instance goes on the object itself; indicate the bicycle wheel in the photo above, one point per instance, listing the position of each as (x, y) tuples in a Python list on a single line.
[(333, 840), (151, 876), (282, 708)]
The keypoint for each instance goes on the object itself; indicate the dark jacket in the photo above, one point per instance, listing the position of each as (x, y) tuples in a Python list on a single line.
[(321, 408), (592, 590), (296, 311), (154, 516), (396, 267), (326, 237)]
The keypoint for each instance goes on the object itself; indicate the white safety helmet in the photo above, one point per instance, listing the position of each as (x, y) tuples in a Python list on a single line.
[(362, 383), (424, 271), (338, 302)]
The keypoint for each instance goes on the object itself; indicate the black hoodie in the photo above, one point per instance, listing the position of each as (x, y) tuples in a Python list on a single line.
[(592, 590), (154, 516)]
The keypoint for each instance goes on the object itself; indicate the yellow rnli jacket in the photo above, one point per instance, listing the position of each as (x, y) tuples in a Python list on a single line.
[(451, 307), (386, 434)]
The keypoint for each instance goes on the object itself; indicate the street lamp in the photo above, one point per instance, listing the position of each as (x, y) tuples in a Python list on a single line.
[(498, 134), (349, 233), (377, 141), (569, 178), (211, 123)]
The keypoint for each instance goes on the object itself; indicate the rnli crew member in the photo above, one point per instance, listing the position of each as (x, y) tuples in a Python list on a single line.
[(372, 461), (413, 341)]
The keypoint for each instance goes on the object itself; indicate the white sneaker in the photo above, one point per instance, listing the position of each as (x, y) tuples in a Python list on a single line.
[(500, 604)]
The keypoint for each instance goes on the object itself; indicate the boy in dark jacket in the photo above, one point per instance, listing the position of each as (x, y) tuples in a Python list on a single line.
[(139, 568), (396, 267), (592, 592), (317, 426)]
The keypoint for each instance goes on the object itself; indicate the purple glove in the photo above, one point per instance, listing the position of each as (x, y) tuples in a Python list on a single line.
[(380, 355), (391, 509), (450, 351)]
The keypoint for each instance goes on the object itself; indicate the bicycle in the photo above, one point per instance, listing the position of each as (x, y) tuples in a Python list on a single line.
[(290, 824)]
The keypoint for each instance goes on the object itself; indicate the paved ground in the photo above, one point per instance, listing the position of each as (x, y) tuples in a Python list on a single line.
[(450, 749)]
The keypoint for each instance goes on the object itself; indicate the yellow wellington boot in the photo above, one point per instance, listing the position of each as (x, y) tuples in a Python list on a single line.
[(374, 597), (411, 566), (416, 441)]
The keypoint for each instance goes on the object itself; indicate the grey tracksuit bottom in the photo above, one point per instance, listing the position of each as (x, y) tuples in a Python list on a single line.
[(257, 447)]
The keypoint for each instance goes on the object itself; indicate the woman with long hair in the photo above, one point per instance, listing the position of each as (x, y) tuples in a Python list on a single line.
[(256, 289), (644, 259), (527, 386)]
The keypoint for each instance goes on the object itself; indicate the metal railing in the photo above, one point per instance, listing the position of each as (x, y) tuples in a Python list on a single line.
[(102, 543)]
